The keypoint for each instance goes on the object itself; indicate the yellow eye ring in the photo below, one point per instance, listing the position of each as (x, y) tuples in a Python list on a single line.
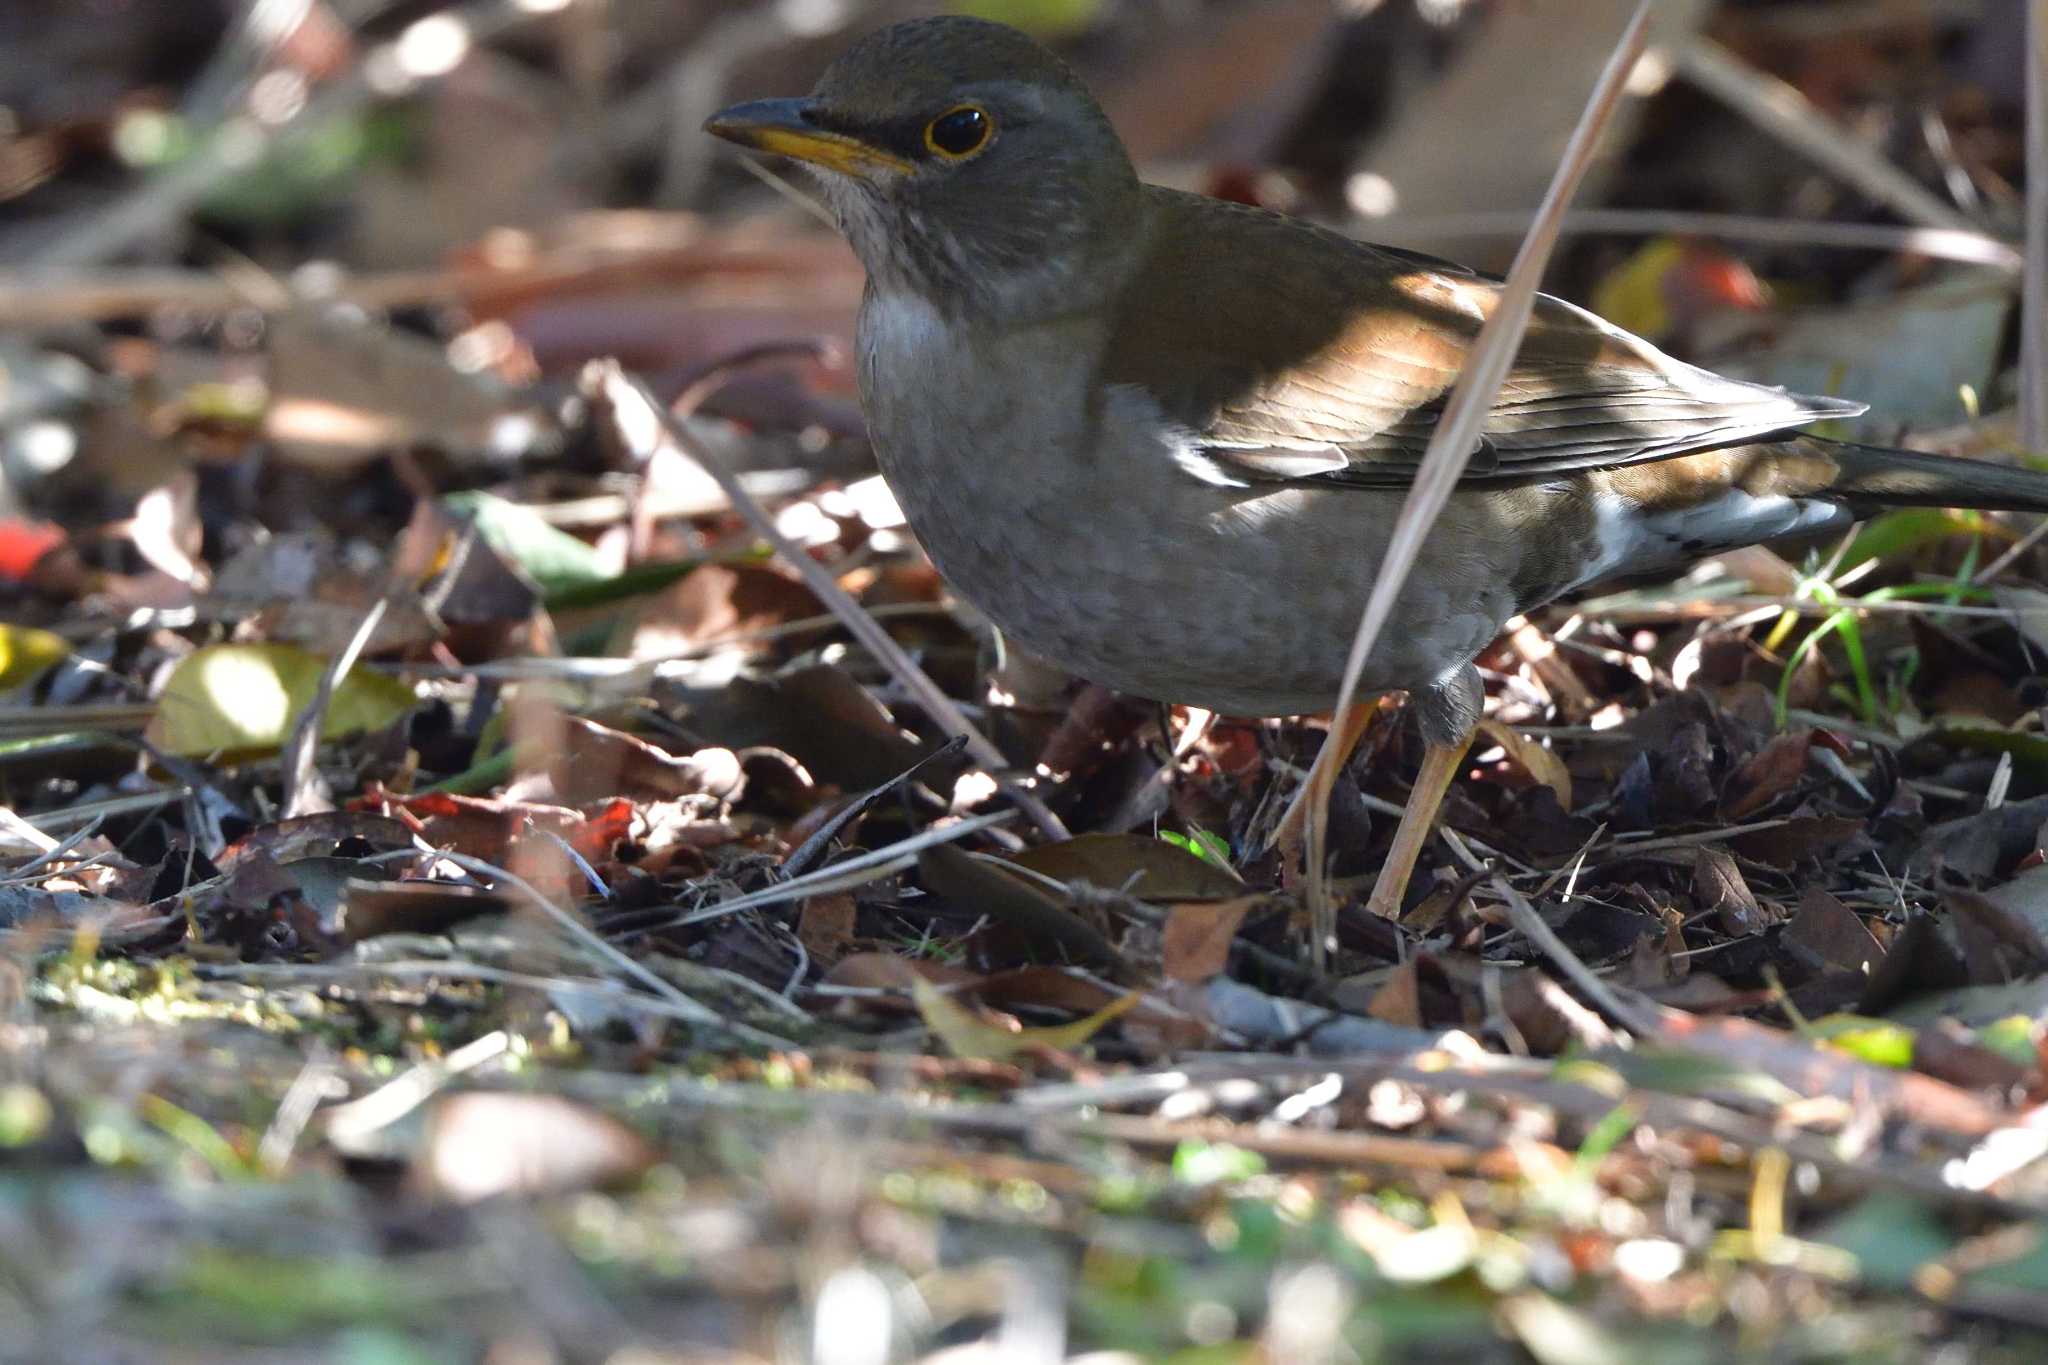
[(960, 132)]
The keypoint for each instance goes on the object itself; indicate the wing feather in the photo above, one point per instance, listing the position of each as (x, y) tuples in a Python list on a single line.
[(1358, 346)]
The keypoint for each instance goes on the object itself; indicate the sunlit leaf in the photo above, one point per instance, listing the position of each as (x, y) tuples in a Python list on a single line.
[(1876, 1041), (243, 699), (25, 652)]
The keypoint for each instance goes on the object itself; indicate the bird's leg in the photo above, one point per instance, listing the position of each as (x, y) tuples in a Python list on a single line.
[(1305, 828), (1440, 764)]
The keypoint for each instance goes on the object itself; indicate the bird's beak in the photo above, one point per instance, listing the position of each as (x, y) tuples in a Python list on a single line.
[(792, 128)]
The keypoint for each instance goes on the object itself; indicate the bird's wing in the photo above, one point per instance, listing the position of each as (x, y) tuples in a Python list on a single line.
[(1289, 352)]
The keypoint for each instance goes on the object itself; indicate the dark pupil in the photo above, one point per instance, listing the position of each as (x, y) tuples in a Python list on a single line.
[(960, 132)]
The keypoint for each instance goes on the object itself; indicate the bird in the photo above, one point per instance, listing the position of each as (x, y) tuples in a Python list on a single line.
[(1161, 439)]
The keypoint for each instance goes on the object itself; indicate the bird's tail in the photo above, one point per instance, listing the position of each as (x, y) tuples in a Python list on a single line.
[(1875, 476)]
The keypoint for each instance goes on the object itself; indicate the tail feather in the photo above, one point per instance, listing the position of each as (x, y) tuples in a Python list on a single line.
[(1875, 477)]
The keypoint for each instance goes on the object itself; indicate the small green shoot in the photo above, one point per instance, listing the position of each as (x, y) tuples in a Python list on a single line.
[(1203, 844)]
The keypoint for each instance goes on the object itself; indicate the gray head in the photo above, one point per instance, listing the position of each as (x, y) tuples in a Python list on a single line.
[(965, 163)]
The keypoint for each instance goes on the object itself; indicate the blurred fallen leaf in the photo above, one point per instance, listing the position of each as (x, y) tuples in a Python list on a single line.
[(345, 392), (482, 1144), (26, 652), (719, 602), (552, 558), (24, 544), (1671, 282), (588, 762), (1045, 19), (965, 1034), (982, 888), (243, 699)]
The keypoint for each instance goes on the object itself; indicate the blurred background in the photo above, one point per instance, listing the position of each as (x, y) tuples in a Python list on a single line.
[(299, 301)]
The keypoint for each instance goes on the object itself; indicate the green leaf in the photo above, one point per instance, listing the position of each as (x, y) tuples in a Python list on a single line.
[(244, 699), (1902, 531), (2011, 1038), (1209, 1163), (1877, 1041), (637, 581), (1202, 844), (1891, 1236), (550, 556)]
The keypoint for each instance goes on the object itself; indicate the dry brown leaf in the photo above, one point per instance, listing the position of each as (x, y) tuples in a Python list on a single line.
[(589, 762), (1196, 942), (1719, 887), (1834, 932), (1768, 775), (825, 927), (1399, 1001), (1153, 869), (1533, 759)]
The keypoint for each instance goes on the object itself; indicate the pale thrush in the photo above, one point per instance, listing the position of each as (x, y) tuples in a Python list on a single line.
[(1161, 439)]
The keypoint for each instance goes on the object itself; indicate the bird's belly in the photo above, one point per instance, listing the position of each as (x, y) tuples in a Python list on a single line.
[(1153, 584)]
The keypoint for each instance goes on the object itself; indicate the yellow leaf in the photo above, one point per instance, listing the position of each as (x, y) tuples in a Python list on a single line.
[(966, 1035), (243, 699), (25, 652), (1533, 759), (1632, 295)]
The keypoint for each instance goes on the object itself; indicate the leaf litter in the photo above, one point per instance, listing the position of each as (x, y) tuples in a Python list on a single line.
[(666, 936)]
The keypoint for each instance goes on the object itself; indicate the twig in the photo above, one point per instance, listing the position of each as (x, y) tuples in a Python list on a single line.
[(1780, 110), (597, 947), (55, 853), (1531, 926), (855, 871), (1493, 354), (304, 743), (814, 848), (355, 1120), (635, 406)]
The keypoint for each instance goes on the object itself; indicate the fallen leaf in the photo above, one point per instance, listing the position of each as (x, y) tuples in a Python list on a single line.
[(1532, 758), (244, 699), (1718, 886), (965, 1034), (25, 653), (588, 762), (1195, 944), (1399, 1001), (1833, 932), (825, 927), (981, 888), (1153, 869), (1768, 775), (480, 1144)]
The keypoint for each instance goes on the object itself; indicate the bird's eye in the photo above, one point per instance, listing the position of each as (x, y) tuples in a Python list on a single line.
[(960, 133)]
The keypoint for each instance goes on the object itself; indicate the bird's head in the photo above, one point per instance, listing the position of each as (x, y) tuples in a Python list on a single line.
[(964, 162)]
